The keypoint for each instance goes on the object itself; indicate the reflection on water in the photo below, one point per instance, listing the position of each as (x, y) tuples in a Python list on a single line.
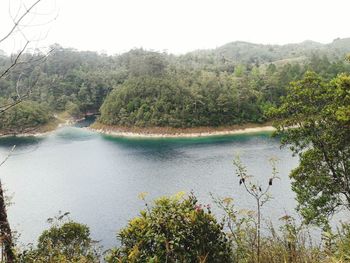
[(23, 145), (70, 134), (97, 178), (170, 148), (183, 142), (20, 141)]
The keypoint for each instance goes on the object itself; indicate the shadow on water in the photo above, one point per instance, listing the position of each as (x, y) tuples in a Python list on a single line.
[(186, 142), (170, 148), (23, 145), (70, 134), (20, 142)]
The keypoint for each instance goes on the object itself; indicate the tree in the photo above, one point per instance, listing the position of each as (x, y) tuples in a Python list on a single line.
[(314, 120), (65, 241), (175, 229), (25, 117)]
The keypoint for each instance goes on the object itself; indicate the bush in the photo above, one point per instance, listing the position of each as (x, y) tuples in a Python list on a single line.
[(175, 229), (63, 242)]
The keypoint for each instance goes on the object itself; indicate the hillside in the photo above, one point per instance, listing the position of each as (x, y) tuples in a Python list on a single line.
[(245, 52), (230, 85)]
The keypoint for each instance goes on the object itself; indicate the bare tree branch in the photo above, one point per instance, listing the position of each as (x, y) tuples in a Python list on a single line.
[(6, 241), (17, 22), (19, 97), (8, 155), (15, 61)]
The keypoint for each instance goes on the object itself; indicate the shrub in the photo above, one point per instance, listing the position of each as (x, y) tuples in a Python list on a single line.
[(63, 242), (175, 229)]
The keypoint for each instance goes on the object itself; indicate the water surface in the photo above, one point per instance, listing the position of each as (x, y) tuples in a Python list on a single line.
[(97, 178)]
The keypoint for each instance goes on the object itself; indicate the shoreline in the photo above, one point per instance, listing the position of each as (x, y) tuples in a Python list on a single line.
[(44, 130), (166, 132), (155, 132)]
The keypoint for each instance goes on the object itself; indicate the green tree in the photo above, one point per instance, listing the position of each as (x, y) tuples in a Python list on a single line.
[(65, 241), (26, 116), (314, 120), (175, 229)]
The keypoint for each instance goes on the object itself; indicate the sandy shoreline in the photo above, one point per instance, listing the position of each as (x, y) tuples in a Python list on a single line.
[(157, 132), (181, 133)]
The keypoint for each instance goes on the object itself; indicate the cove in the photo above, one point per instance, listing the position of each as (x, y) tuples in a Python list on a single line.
[(97, 178)]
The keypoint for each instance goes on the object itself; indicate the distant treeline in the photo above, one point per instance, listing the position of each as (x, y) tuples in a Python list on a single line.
[(232, 84)]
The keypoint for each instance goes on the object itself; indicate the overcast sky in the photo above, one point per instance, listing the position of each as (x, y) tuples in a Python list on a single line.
[(177, 26)]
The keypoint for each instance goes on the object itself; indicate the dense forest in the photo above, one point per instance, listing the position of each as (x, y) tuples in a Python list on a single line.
[(232, 84)]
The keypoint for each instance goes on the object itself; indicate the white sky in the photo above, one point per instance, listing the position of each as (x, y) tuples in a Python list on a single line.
[(178, 26)]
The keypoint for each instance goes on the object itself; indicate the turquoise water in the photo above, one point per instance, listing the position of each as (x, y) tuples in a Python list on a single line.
[(97, 178)]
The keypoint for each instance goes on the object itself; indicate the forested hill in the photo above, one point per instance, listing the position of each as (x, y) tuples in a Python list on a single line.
[(245, 52), (231, 84)]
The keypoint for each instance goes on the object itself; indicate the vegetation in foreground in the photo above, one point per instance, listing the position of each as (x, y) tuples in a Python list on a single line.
[(65, 241), (179, 229)]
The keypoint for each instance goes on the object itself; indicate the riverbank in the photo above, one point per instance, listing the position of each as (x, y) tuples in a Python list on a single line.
[(168, 132), (38, 131), (148, 132), (59, 120)]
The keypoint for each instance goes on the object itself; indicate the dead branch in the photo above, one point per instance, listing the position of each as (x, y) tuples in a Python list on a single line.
[(18, 21), (14, 63), (8, 155)]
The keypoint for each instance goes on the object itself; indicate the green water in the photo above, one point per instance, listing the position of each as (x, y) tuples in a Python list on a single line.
[(97, 178)]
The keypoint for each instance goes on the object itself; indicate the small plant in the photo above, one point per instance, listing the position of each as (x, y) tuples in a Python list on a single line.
[(258, 191), (240, 227)]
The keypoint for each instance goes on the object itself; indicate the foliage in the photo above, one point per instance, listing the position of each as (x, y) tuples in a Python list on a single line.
[(65, 241), (233, 84), (290, 242), (175, 100), (175, 229), (341, 244), (24, 117), (314, 120)]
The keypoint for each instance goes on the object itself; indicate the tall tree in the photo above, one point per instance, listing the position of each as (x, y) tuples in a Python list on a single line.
[(314, 120)]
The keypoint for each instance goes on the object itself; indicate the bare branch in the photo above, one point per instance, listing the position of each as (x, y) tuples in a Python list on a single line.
[(21, 97), (17, 22), (15, 61), (8, 155)]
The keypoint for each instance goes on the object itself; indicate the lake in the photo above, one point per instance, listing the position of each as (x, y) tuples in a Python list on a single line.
[(97, 178)]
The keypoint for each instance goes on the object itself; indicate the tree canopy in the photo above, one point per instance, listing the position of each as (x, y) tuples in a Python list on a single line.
[(175, 229), (314, 120), (24, 117), (229, 85)]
